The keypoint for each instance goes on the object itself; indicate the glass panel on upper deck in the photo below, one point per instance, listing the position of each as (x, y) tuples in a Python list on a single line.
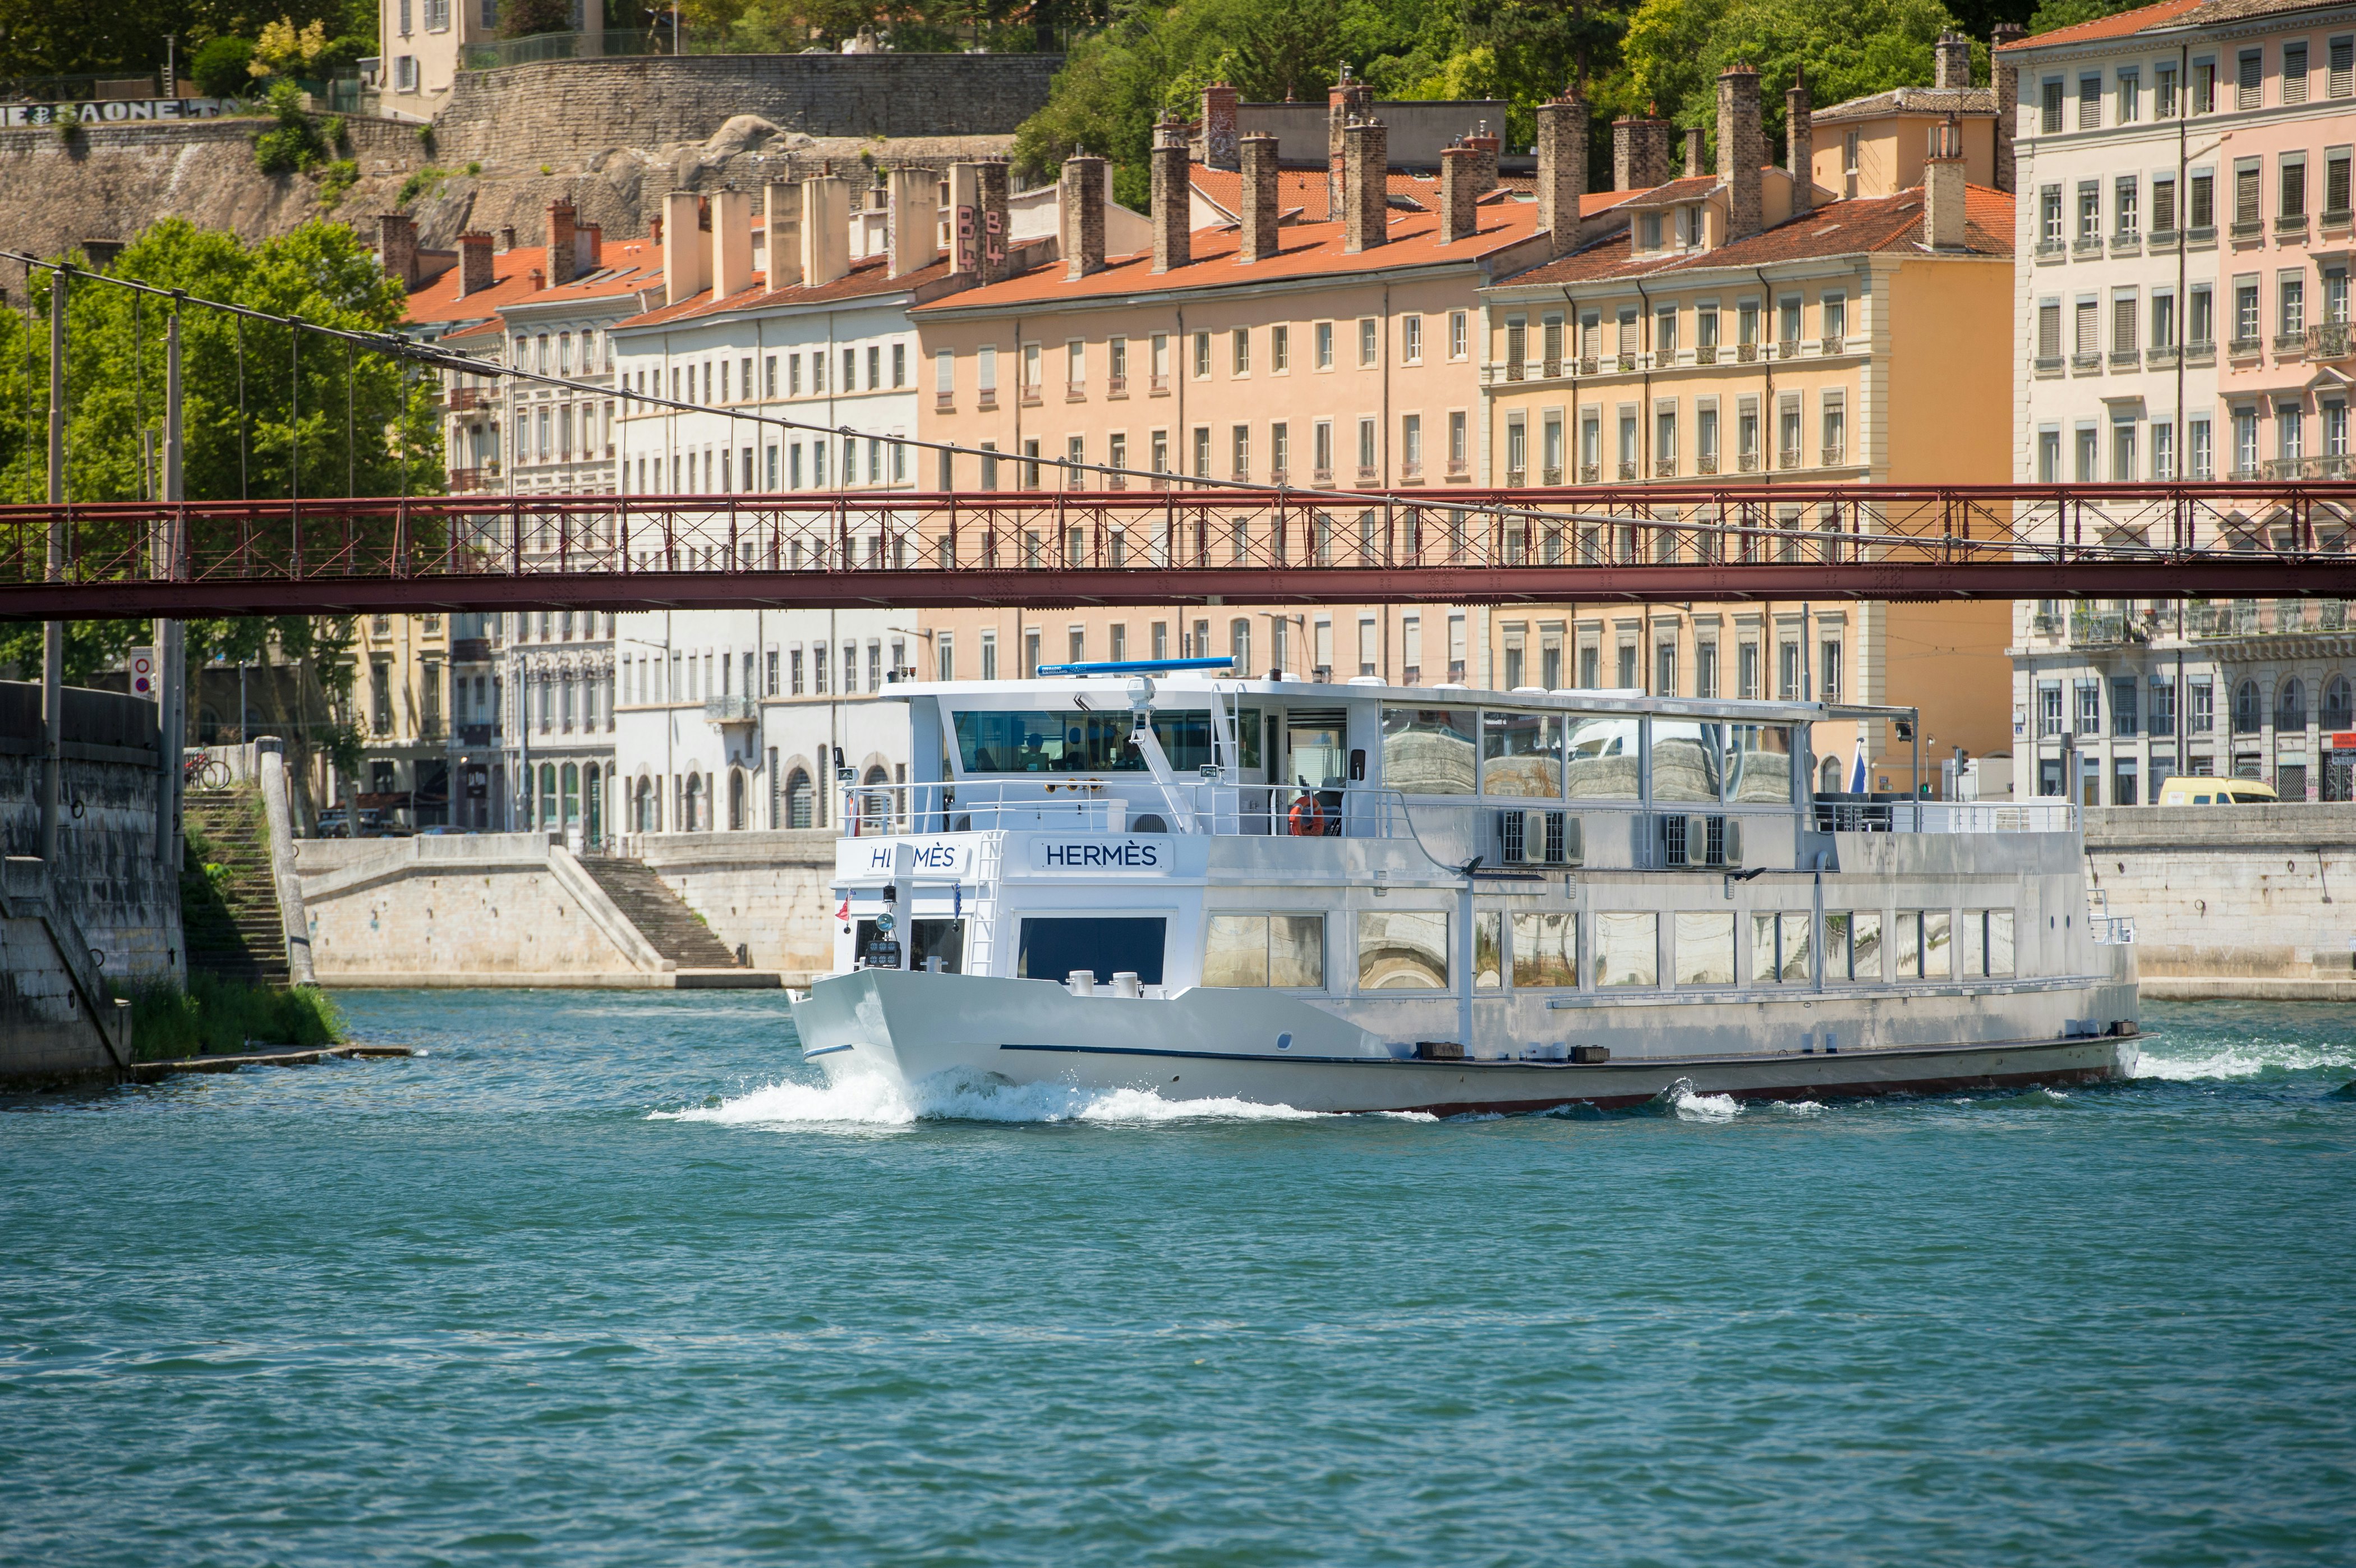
[(1759, 763), (1601, 756), (1521, 754), (1684, 759), (1044, 740), (1428, 751)]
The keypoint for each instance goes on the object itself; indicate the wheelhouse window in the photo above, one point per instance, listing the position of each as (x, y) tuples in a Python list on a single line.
[(1045, 741), (1055, 949), (1428, 751), (1600, 757), (1521, 754)]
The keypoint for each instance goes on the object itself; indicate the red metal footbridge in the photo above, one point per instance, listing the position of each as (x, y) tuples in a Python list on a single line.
[(1147, 545)]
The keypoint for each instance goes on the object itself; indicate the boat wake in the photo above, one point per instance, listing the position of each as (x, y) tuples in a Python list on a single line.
[(2240, 1058), (877, 1101), (1689, 1106)]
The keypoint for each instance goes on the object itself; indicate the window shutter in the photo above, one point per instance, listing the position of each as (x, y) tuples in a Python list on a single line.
[(2342, 83), (2049, 332)]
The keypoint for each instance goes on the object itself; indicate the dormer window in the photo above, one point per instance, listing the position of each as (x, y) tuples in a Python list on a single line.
[(1684, 227), (1648, 231)]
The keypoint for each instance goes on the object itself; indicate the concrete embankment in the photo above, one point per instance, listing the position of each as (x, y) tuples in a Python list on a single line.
[(2232, 901), (517, 910)]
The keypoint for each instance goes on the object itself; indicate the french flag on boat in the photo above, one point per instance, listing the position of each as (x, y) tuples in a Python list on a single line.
[(1857, 769)]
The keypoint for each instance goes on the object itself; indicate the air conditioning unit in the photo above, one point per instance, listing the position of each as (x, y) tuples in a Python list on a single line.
[(1537, 838), (1701, 841)]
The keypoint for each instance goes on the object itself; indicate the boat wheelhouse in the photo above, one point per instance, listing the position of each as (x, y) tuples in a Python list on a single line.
[(1365, 896)]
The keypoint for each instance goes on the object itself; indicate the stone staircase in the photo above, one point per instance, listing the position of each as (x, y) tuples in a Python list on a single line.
[(658, 913), (231, 923)]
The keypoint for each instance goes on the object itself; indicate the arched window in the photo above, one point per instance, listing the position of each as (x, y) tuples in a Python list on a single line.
[(642, 807), (693, 813), (2338, 704), (1828, 779), (800, 801), (572, 794), (735, 799), (2290, 704), (875, 801), (548, 795), (2246, 708)]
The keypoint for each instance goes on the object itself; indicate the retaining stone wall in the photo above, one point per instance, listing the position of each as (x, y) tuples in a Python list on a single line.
[(2245, 893), (440, 910), (564, 112), (766, 890)]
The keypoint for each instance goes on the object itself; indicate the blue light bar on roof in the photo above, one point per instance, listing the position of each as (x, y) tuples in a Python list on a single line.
[(1138, 666)]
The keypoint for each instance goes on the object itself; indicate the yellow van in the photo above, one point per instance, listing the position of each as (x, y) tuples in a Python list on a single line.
[(2217, 792)]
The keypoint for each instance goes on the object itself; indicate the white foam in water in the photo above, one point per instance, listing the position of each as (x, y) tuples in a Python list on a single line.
[(877, 1101), (1798, 1107), (1692, 1107), (2241, 1060)]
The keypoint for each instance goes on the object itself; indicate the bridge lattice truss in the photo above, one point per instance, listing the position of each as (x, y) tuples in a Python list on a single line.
[(1067, 548)]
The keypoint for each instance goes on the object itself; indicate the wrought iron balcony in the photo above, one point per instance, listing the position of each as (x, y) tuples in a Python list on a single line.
[(2330, 340), (738, 709)]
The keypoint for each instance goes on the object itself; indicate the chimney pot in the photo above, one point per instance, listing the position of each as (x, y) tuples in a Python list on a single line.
[(1943, 213), (1951, 61), (1343, 102), (506, 239), (1261, 207)]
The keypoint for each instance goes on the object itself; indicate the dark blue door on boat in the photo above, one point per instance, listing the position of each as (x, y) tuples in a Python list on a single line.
[(1053, 948)]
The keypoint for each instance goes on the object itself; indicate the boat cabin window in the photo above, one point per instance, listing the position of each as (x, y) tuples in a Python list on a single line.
[(943, 940), (1546, 951), (1599, 757), (1627, 948), (1684, 759), (1038, 740), (1404, 950), (1853, 944), (1265, 950), (1054, 949), (1759, 765), (1428, 751), (1705, 954), (1521, 754), (1922, 943), (1316, 754)]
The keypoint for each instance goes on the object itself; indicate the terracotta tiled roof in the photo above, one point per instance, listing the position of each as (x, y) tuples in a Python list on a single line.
[(1304, 250), (625, 266), (1913, 100), (1837, 229), (1693, 188), (866, 277), (2118, 27), (1305, 189)]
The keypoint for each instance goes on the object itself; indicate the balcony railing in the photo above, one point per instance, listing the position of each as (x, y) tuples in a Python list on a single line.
[(2330, 340), (2086, 364), (1157, 385), (2048, 364), (470, 650), (1836, 455), (2250, 228), (1746, 353), (1514, 478), (469, 481), (1788, 348), (738, 709), (986, 399), (1789, 458), (1550, 476), (1627, 469), (1626, 362), (1665, 467), (1116, 386), (2125, 359), (2290, 343), (1749, 462), (1587, 364), (2289, 224), (1591, 473), (1705, 353), (1076, 392), (463, 399), (2126, 244), (945, 402), (472, 735), (1831, 344), (1031, 395), (2162, 359)]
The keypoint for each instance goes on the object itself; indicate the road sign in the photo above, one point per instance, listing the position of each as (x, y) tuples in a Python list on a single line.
[(143, 674)]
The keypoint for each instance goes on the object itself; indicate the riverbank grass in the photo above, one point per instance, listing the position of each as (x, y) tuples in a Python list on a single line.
[(213, 1017)]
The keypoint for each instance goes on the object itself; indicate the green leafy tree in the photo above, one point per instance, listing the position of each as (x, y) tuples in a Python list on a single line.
[(1674, 49), (221, 67), (253, 400)]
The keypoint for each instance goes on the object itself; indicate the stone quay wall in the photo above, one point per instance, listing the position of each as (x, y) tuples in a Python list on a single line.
[(769, 891), (569, 111), (2232, 901), (463, 909)]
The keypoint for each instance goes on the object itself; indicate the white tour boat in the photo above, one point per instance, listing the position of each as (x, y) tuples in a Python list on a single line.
[(1372, 897)]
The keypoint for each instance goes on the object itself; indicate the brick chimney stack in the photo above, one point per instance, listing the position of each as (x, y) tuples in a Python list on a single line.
[(826, 231), (1694, 152), (474, 263), (1220, 150), (1943, 188), (912, 223), (1345, 100), (1262, 206), (782, 250), (561, 258), (686, 253), (1460, 194), (1080, 204), (1640, 154), (2003, 75), (396, 247), (1562, 167), (1741, 149), (1484, 165), (1366, 185), (1951, 60), (731, 242), (1173, 197), (1800, 143)]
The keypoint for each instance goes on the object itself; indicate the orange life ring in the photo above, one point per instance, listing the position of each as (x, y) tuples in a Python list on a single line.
[(1305, 821)]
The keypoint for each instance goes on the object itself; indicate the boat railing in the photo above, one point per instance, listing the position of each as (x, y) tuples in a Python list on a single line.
[(1887, 814), (1132, 805)]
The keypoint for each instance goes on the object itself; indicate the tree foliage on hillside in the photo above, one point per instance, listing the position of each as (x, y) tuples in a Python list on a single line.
[(1629, 54), (40, 38)]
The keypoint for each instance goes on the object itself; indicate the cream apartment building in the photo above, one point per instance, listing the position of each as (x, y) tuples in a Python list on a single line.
[(2183, 311)]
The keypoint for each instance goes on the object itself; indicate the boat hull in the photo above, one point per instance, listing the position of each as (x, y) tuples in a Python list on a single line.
[(1213, 1043)]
